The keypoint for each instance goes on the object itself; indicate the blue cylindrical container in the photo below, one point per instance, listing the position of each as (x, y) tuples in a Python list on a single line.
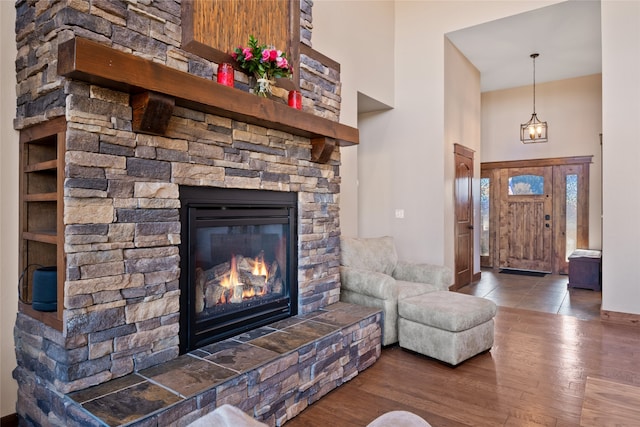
[(45, 289)]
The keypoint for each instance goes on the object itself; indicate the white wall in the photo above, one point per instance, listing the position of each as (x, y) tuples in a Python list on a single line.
[(8, 208), (573, 110), (423, 136), (376, 189), (404, 152), (621, 156), (364, 48), (462, 125)]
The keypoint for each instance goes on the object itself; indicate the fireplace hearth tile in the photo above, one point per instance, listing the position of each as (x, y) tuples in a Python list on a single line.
[(312, 329), (311, 315), (104, 389), (293, 337), (131, 403), (188, 375), (255, 333), (285, 323), (283, 342), (357, 310), (242, 357), (338, 317), (216, 347)]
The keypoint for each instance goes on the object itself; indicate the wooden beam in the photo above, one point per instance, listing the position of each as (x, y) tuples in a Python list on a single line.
[(321, 149), (151, 112), (102, 65), (530, 163)]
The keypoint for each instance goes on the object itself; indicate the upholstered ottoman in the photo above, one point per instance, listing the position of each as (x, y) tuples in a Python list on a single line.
[(447, 326)]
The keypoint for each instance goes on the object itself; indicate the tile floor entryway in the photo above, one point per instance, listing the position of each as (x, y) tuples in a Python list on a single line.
[(547, 294)]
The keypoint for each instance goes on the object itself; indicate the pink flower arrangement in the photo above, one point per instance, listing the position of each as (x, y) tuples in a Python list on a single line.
[(263, 62)]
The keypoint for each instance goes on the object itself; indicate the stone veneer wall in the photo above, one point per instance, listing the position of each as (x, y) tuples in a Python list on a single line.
[(121, 204)]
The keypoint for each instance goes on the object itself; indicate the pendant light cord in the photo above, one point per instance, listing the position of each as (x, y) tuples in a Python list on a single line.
[(534, 56)]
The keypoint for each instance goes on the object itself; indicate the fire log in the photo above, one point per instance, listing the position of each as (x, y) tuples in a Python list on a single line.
[(213, 293)]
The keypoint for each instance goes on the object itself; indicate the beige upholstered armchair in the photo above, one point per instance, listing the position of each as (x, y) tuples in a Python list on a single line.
[(372, 275)]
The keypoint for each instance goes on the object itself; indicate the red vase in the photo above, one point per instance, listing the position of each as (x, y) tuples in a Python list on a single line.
[(225, 74), (295, 99)]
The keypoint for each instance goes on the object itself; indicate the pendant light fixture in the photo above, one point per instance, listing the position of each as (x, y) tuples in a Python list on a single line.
[(534, 130)]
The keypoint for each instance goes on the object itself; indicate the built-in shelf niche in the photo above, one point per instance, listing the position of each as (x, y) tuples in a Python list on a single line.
[(42, 150)]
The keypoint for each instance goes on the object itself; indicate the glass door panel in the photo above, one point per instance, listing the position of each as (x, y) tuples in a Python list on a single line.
[(571, 232), (485, 211)]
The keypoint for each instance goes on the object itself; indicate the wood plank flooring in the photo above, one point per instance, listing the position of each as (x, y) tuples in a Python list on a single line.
[(609, 403), (535, 375)]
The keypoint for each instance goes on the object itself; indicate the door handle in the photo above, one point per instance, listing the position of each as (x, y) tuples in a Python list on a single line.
[(470, 227)]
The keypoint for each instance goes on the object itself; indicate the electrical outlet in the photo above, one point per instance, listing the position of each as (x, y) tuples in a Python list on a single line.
[(400, 213)]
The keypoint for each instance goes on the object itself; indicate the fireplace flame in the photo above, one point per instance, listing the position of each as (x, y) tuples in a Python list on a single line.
[(259, 267), (236, 290), (231, 280)]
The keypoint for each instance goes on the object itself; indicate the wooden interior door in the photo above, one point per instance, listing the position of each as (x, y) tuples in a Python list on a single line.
[(464, 216), (526, 224)]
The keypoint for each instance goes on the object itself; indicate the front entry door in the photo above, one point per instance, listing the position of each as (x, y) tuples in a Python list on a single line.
[(526, 209)]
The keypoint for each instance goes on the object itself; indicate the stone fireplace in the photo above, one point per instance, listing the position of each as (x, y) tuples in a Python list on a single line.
[(238, 262), (129, 282)]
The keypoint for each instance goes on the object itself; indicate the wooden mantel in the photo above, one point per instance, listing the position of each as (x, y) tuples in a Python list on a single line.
[(98, 64)]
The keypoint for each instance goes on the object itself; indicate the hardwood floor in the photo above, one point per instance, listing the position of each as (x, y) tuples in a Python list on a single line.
[(610, 402), (535, 375)]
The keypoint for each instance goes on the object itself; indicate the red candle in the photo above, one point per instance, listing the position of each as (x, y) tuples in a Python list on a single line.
[(295, 99), (225, 74)]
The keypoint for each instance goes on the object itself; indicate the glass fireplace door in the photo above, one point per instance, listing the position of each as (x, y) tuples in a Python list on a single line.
[(241, 263), (238, 265)]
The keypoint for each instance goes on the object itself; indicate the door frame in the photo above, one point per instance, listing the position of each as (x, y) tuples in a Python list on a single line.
[(561, 166)]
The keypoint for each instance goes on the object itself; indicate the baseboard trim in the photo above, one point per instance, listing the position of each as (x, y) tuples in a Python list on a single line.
[(476, 276), (616, 317), (10, 420)]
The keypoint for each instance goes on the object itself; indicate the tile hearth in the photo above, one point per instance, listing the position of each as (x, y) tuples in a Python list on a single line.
[(153, 396)]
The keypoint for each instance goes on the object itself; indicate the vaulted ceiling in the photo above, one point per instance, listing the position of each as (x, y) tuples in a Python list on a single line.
[(566, 35)]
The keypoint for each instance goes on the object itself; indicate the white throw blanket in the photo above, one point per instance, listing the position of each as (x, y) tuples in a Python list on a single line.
[(226, 416), (230, 416)]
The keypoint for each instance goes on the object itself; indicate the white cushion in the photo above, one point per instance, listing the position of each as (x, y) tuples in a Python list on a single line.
[(399, 419), (226, 416)]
